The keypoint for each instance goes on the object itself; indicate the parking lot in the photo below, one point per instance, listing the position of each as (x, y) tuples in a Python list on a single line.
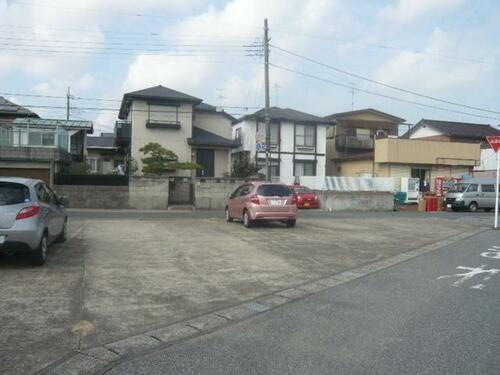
[(123, 273)]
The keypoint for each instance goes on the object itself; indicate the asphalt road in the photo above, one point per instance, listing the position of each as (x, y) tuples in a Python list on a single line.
[(93, 214), (412, 318)]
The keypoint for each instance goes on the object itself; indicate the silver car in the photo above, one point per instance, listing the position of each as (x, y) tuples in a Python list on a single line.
[(472, 194), (32, 217)]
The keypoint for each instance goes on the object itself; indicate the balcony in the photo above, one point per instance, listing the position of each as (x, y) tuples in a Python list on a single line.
[(354, 142), (34, 137), (163, 124), (123, 132)]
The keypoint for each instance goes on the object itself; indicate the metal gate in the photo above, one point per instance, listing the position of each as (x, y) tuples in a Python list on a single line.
[(180, 190)]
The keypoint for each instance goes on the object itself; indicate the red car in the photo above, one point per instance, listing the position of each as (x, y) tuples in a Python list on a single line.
[(306, 198)]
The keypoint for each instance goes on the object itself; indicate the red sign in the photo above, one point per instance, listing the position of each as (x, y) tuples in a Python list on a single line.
[(494, 142), (439, 186)]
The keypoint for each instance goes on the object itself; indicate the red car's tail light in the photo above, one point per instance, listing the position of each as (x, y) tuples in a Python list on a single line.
[(255, 199), (28, 212)]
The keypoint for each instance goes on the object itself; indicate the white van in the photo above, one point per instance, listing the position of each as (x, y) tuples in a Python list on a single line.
[(472, 194)]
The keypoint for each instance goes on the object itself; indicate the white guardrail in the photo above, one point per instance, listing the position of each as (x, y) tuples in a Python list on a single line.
[(346, 183)]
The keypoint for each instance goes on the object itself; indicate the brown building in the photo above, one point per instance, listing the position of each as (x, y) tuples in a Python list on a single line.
[(352, 139)]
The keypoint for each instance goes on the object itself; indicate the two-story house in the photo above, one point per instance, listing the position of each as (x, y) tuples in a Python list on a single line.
[(351, 140), (195, 131), (39, 148), (298, 142), (452, 131)]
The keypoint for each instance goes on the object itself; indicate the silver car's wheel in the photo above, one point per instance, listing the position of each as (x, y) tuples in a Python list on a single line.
[(40, 254), (473, 207), (247, 222)]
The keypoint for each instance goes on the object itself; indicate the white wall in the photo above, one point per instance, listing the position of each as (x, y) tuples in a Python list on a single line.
[(425, 132), (214, 123), (488, 160), (248, 137), (172, 139)]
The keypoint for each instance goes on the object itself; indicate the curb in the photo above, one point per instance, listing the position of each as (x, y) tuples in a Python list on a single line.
[(99, 360)]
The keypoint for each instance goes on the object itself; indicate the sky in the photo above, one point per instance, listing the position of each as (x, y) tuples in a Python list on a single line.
[(358, 54)]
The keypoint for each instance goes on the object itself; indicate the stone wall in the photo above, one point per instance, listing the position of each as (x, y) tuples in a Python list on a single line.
[(92, 196), (148, 193), (356, 201), (213, 193)]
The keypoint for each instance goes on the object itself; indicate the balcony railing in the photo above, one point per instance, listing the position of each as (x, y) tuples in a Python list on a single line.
[(354, 142), (123, 131)]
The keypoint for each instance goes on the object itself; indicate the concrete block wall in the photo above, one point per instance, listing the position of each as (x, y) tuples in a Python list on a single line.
[(213, 193), (148, 193), (34, 153), (92, 196), (356, 201)]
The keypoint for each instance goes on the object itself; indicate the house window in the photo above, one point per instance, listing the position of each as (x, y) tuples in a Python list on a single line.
[(261, 133), (93, 165), (237, 134), (41, 139), (305, 136), (304, 168), (275, 167), (163, 113), (118, 162)]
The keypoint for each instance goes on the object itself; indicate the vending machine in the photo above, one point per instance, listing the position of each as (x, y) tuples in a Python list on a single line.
[(410, 186)]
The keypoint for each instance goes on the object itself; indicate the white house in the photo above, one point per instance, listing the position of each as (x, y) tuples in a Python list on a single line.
[(298, 142), (195, 131)]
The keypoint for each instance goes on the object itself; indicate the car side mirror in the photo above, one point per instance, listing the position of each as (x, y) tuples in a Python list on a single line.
[(63, 201)]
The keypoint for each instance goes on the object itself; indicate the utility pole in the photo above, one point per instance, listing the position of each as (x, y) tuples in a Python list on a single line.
[(68, 97), (266, 110)]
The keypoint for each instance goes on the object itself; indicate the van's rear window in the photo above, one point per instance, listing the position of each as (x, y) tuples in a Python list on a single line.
[(12, 193), (274, 191)]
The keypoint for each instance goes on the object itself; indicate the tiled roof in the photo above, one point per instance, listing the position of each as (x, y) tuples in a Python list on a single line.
[(104, 141), (12, 109), (201, 137), (204, 107), (286, 114), (160, 93), (366, 110), (456, 129)]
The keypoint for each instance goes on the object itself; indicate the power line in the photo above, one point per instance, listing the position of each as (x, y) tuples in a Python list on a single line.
[(385, 84), (383, 95), (107, 11), (385, 46), (99, 42), (90, 52), (93, 108)]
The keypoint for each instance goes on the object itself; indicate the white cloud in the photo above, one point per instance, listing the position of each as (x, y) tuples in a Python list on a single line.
[(428, 72), (238, 22), (406, 11)]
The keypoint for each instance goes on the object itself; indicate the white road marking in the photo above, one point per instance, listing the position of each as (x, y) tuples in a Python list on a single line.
[(493, 253), (76, 233), (473, 271)]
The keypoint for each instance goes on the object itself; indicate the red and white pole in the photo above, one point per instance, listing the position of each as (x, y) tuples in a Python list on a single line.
[(497, 188), (495, 145)]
